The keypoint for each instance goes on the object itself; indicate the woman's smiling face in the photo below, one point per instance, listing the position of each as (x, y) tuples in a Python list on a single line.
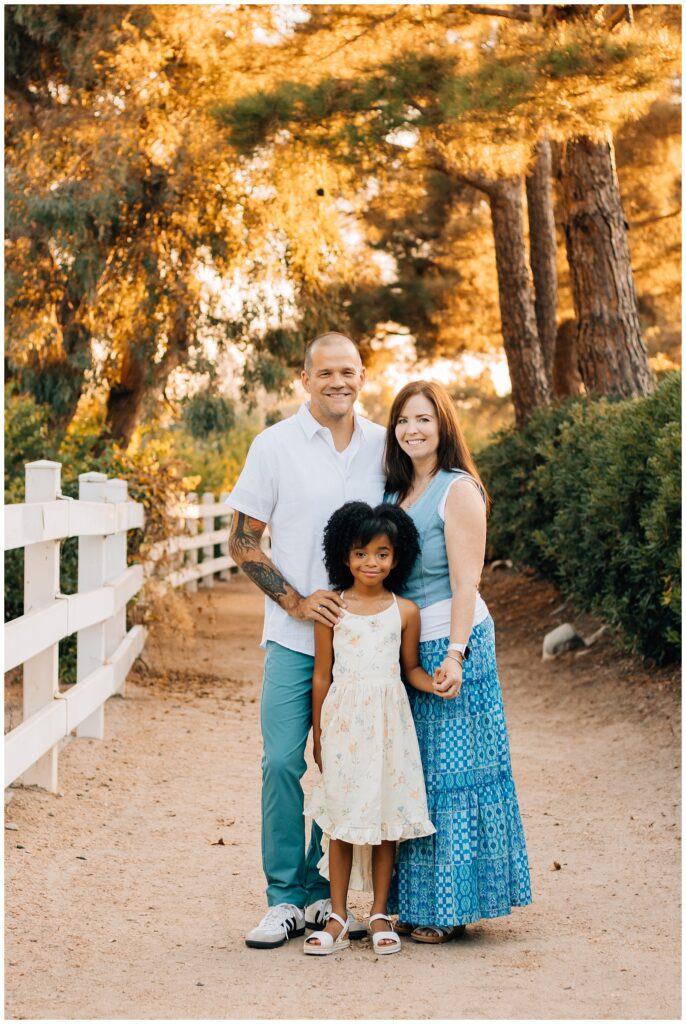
[(416, 429)]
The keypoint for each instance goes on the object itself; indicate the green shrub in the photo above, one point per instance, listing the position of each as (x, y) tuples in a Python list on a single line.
[(576, 543), (589, 495), (206, 414), (522, 511), (26, 440)]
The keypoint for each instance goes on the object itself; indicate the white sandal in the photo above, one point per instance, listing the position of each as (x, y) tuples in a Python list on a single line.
[(327, 943), (379, 937)]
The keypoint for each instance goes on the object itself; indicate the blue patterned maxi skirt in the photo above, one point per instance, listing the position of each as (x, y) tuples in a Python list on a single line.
[(476, 864)]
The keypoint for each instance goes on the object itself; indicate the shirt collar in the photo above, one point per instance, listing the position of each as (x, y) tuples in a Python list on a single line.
[(311, 426)]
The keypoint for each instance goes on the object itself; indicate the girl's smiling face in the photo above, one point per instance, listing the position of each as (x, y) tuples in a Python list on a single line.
[(416, 429), (371, 563)]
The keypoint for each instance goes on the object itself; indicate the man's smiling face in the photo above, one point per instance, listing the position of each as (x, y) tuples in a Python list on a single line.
[(334, 379)]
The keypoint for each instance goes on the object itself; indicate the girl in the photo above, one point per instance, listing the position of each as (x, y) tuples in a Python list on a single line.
[(371, 793)]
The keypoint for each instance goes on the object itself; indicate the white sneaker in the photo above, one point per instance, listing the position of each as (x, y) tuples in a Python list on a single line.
[(317, 914), (279, 924)]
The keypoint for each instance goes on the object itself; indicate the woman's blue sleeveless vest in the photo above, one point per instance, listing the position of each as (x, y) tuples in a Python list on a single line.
[(429, 580)]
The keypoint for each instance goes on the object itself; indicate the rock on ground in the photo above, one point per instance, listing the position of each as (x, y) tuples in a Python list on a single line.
[(560, 640)]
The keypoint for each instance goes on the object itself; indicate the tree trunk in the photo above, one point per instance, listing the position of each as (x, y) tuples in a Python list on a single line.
[(543, 251), (566, 377), (612, 357), (125, 399), (139, 376), (517, 314), (530, 387)]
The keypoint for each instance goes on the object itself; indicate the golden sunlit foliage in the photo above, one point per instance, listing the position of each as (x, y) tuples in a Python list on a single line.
[(479, 90), (118, 187), (187, 179), (124, 196)]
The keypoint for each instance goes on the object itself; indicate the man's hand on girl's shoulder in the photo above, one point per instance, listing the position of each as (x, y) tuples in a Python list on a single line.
[(325, 606)]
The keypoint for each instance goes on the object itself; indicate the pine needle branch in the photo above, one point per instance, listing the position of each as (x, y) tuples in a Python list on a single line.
[(437, 161), (477, 181), (654, 219), (353, 39)]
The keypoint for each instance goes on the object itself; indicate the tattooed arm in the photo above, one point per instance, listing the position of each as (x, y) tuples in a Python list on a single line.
[(244, 544)]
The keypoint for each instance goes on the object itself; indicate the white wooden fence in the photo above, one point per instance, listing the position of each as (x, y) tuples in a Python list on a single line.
[(100, 518), (177, 556), (176, 559)]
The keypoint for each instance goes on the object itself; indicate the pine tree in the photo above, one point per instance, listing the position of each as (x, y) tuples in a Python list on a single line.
[(610, 349), (486, 100), (530, 388), (525, 359), (543, 250)]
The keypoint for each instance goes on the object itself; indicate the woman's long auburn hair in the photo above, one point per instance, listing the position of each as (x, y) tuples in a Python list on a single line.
[(452, 452)]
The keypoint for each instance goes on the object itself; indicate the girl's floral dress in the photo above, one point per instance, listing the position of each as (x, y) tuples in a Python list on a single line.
[(372, 785)]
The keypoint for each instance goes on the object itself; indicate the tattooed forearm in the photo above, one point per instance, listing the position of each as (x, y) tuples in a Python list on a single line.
[(266, 578), (245, 536), (244, 545)]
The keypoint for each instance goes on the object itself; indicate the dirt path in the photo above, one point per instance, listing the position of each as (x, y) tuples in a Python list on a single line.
[(118, 905)]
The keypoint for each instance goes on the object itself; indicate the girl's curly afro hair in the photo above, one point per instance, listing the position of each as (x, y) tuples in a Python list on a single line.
[(357, 523)]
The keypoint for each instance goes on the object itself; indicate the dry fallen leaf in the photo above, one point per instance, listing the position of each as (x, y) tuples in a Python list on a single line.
[(555, 866)]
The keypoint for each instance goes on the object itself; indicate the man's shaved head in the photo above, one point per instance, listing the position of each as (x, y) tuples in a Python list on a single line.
[(329, 338)]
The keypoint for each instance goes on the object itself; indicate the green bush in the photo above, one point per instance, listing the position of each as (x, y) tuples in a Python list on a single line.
[(522, 511), (589, 495), (26, 440)]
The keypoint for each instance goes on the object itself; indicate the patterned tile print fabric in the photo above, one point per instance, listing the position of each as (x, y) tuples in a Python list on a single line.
[(372, 785), (476, 864)]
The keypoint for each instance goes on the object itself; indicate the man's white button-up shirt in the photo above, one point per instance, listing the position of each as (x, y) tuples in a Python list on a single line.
[(294, 479)]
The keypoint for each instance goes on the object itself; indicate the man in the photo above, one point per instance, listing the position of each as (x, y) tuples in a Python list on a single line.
[(296, 474)]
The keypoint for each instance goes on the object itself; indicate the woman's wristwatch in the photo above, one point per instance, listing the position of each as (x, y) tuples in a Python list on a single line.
[(460, 652)]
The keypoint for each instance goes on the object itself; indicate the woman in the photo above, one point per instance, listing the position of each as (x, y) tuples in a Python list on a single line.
[(476, 865)]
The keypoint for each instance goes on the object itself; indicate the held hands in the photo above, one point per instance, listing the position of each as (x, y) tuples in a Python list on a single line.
[(323, 606), (448, 679)]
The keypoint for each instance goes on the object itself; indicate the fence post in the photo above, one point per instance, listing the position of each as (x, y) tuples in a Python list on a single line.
[(208, 526), (116, 491), (224, 548), (191, 528), (90, 642), (41, 586)]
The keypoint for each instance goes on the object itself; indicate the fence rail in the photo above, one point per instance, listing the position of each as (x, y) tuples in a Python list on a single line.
[(105, 650), (39, 521)]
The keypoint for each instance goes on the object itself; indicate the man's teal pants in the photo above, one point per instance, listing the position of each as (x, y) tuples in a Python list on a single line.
[(286, 718)]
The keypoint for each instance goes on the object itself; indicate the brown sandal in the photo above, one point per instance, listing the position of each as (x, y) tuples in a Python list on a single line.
[(404, 927), (441, 933)]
